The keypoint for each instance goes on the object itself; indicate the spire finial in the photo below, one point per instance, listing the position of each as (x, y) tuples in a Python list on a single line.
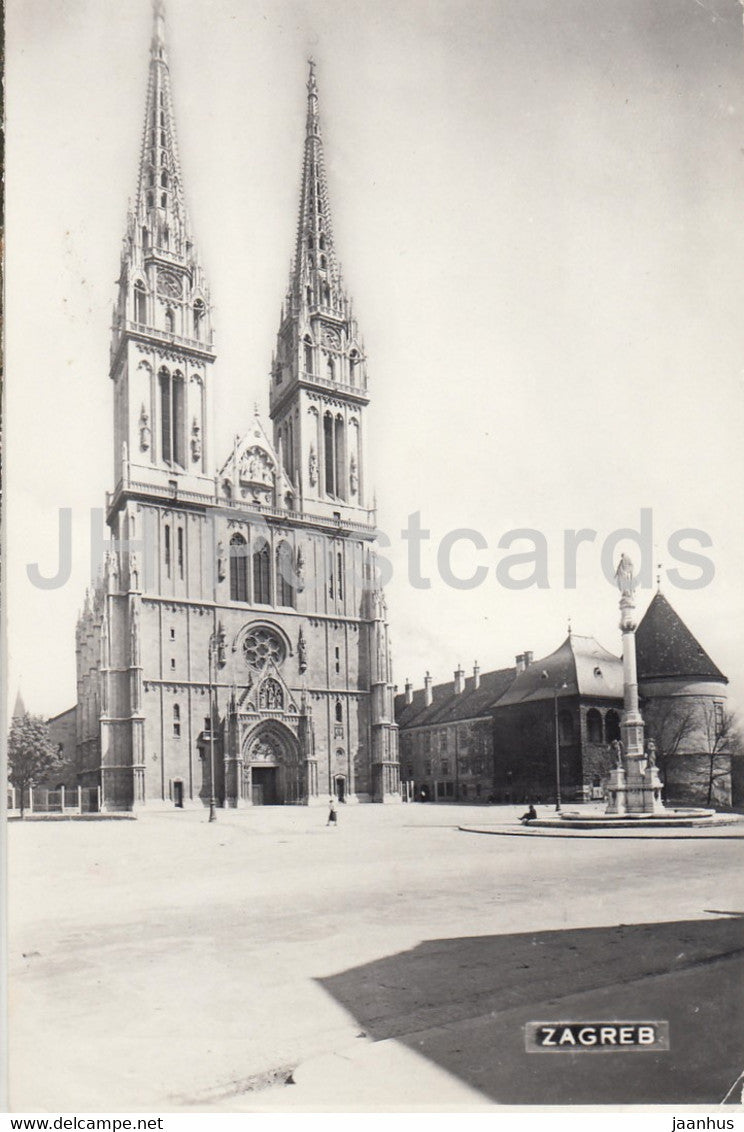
[(569, 626), (158, 25)]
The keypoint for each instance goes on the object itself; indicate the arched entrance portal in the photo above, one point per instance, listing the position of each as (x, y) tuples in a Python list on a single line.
[(271, 766)]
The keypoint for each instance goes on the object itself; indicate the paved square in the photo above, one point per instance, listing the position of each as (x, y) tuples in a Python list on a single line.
[(169, 964)]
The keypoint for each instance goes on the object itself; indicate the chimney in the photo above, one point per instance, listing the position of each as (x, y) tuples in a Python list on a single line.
[(409, 692), (528, 658), (519, 662), (428, 697), (476, 675), (459, 680)]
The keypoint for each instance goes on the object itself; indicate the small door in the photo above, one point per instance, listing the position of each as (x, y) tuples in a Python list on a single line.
[(178, 794), (341, 788)]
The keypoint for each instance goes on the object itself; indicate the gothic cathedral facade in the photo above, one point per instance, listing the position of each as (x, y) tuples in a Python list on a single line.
[(235, 646)]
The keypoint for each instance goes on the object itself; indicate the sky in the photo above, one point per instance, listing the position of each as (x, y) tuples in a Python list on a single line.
[(538, 207)]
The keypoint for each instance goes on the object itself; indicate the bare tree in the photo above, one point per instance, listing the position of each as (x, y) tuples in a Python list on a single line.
[(669, 723), (722, 738)]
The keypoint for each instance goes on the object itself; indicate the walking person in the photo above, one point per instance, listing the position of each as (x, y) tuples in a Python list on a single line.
[(332, 815)]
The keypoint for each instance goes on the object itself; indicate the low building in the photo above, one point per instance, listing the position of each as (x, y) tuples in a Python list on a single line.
[(496, 736)]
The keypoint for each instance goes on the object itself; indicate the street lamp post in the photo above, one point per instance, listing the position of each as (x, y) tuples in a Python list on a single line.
[(556, 689), (213, 640)]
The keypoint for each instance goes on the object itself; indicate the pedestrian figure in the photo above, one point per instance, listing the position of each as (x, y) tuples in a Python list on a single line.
[(529, 816), (332, 815)]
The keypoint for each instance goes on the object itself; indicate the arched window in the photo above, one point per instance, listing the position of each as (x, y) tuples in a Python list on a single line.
[(170, 321), (339, 712), (166, 237), (340, 455), (163, 200), (198, 318), (353, 359), (322, 242), (262, 575), (565, 727), (323, 262), (309, 297), (238, 569), (328, 453), (151, 177), (310, 243), (145, 239), (172, 417), (612, 726), (326, 294), (176, 721), (150, 200), (164, 179), (308, 354), (331, 367), (284, 575), (140, 302), (162, 138), (594, 726)]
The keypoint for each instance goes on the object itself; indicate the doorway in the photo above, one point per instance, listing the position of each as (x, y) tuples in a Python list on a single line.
[(178, 794), (264, 786), (341, 788)]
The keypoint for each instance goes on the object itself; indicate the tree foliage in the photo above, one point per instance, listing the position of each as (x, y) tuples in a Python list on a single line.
[(31, 752)]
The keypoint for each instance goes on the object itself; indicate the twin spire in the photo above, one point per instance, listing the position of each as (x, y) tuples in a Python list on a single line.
[(316, 276), (161, 207)]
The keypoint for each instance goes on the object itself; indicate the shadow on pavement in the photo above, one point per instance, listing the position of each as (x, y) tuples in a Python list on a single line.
[(463, 1003)]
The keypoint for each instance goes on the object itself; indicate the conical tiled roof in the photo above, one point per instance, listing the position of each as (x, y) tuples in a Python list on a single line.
[(665, 647)]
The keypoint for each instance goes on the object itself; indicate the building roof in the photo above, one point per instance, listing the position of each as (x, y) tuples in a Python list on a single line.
[(447, 706), (665, 647), (580, 666)]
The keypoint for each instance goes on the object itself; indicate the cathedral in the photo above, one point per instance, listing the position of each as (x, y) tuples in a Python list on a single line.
[(235, 649)]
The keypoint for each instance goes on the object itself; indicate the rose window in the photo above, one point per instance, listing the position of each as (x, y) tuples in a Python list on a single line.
[(261, 646)]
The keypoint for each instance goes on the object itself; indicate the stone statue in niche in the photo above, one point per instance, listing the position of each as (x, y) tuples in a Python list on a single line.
[(300, 569), (144, 430), (651, 753), (196, 445), (353, 475), (256, 467), (270, 696), (221, 561), (312, 469), (221, 651), (617, 750), (133, 572), (302, 651), (227, 487), (113, 571)]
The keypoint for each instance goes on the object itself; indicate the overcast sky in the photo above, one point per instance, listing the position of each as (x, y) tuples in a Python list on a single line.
[(539, 209)]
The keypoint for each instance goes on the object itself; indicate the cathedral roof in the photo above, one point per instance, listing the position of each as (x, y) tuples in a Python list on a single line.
[(580, 666), (665, 647), (448, 706)]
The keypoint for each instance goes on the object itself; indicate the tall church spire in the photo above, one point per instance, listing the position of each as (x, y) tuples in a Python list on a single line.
[(316, 277), (161, 348), (319, 371), (160, 201)]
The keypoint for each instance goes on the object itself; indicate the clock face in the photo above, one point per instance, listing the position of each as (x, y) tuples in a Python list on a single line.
[(331, 337), (169, 284)]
